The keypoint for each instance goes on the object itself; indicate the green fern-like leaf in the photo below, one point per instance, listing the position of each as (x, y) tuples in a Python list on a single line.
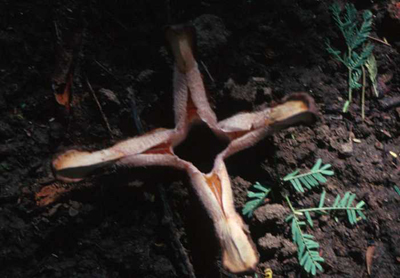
[(354, 213), (349, 29), (334, 52), (357, 61), (355, 37), (355, 77), (322, 199), (307, 248), (257, 199), (363, 33), (397, 189), (310, 179), (372, 73), (335, 9)]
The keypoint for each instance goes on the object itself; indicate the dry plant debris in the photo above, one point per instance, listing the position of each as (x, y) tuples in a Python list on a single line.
[(156, 148), (63, 75), (369, 256)]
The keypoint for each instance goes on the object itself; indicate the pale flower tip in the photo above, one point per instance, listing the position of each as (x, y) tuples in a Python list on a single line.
[(239, 252), (73, 165), (181, 39), (298, 108), (307, 100), (238, 268)]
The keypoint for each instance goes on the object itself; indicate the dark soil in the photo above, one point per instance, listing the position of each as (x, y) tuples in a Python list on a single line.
[(252, 54)]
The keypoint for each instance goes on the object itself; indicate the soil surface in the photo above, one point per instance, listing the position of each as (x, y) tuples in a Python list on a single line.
[(112, 55)]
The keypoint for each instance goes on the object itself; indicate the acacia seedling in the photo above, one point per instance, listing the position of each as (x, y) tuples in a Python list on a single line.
[(358, 52), (307, 248)]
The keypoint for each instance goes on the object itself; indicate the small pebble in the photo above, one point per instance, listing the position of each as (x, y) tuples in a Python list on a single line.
[(379, 145)]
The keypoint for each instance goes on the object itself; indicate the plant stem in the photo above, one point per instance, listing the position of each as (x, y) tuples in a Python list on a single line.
[(296, 220), (326, 208), (290, 205), (363, 94), (350, 89), (296, 212), (350, 72)]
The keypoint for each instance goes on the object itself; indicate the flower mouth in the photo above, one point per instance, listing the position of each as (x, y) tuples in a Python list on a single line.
[(201, 147)]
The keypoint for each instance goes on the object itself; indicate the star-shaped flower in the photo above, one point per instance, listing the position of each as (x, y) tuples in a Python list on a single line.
[(157, 148)]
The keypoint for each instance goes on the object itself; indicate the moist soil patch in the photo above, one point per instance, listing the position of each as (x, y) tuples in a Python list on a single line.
[(113, 56)]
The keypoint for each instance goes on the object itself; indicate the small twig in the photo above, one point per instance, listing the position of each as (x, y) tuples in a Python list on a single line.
[(100, 108), (363, 93), (389, 102), (379, 40), (105, 69), (168, 220), (58, 35), (117, 20), (206, 69)]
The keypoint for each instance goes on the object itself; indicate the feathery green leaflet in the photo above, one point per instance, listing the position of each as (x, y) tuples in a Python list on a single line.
[(257, 199), (307, 248), (372, 73), (310, 179)]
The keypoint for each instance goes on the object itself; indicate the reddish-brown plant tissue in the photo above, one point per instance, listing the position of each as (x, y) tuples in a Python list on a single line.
[(157, 148)]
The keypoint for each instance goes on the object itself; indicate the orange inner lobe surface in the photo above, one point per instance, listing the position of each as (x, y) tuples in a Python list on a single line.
[(268, 122), (191, 110), (65, 97), (215, 185), (154, 130), (236, 134), (163, 148)]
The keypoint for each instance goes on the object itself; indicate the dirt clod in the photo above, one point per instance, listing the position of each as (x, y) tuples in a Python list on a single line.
[(274, 212), (269, 242)]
